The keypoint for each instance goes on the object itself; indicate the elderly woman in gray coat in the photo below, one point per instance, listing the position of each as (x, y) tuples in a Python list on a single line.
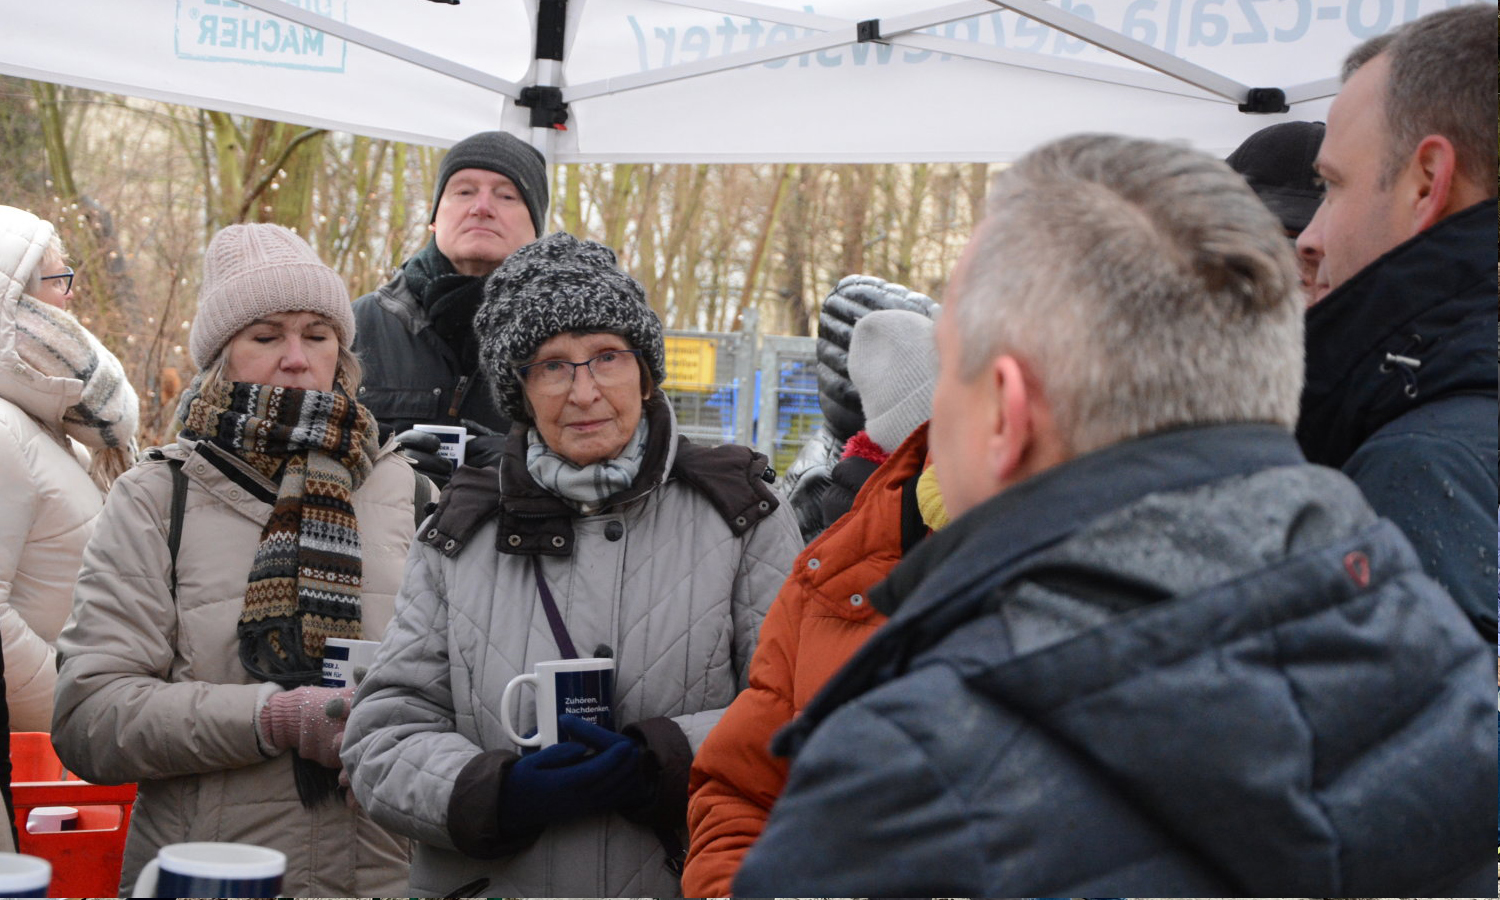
[(659, 553)]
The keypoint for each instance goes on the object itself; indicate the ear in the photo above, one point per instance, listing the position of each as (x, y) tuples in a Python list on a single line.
[(1432, 170), (432, 227), (1010, 445)]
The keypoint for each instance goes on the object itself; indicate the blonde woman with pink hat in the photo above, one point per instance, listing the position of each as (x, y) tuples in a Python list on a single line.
[(222, 566)]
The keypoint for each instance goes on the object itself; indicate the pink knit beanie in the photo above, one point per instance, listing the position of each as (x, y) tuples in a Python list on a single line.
[(257, 270)]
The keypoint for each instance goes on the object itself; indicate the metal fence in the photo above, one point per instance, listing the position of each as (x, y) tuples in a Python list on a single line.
[(745, 388)]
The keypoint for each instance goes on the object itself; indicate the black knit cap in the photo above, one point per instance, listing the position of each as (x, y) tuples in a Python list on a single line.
[(559, 285), (1278, 164), (506, 154)]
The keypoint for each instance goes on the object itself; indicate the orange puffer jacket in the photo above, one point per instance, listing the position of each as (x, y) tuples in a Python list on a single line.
[(820, 617)]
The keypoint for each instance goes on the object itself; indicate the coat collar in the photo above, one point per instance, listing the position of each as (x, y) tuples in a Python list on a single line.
[(946, 579), (1412, 327)]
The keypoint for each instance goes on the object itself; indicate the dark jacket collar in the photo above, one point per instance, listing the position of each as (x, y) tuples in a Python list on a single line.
[(945, 580), (1430, 299)]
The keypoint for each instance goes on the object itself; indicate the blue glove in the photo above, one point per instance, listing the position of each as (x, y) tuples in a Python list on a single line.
[(593, 771)]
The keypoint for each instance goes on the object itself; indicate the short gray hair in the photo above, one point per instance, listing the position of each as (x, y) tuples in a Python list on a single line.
[(1144, 286), (1442, 81)]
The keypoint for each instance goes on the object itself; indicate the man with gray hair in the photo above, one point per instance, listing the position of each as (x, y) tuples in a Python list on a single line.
[(1401, 375), (1156, 651)]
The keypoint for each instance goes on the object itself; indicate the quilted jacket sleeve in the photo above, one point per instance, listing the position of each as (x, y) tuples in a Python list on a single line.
[(402, 746), (118, 716), (30, 668), (735, 779), (770, 549)]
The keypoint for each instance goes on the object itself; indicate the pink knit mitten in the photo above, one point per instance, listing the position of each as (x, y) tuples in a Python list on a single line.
[(309, 720)]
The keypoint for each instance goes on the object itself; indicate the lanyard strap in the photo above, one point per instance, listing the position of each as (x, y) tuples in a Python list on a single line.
[(554, 618)]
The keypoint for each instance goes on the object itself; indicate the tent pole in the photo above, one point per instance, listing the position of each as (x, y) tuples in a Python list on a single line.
[(548, 112)]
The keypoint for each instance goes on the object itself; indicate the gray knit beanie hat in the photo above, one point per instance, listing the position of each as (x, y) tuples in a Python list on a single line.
[(893, 363), (506, 154), (257, 270), (559, 285)]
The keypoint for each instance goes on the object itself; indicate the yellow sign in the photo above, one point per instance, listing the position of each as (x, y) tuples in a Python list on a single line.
[(691, 363)]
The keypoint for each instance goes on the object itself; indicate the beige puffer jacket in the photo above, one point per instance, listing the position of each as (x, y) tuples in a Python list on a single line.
[(48, 501), (154, 693)]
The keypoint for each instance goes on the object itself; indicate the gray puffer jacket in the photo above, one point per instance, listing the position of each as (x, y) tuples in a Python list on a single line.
[(674, 576)]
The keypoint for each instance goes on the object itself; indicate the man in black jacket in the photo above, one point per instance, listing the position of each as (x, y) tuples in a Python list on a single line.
[(1401, 374), (1155, 651), (415, 334)]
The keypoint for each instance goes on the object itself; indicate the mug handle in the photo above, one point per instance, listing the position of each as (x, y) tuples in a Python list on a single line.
[(507, 704), (145, 883)]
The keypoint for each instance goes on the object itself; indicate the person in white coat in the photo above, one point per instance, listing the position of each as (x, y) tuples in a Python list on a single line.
[(67, 420)]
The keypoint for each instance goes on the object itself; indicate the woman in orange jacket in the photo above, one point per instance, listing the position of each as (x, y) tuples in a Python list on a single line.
[(819, 619)]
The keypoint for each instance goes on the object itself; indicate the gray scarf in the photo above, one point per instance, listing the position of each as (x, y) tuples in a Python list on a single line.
[(585, 487)]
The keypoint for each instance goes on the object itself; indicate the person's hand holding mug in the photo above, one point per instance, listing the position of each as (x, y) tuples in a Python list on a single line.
[(590, 770)]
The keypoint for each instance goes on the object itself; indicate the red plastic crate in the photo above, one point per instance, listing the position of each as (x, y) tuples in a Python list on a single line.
[(85, 861)]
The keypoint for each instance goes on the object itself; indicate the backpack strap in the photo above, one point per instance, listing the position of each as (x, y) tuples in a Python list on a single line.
[(179, 511)]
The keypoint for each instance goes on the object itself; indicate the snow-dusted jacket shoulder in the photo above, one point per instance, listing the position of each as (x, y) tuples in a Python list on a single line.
[(50, 502), (674, 576), (152, 691)]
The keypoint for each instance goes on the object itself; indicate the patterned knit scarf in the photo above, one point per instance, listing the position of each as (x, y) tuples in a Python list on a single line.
[(104, 419), (304, 584), (585, 487)]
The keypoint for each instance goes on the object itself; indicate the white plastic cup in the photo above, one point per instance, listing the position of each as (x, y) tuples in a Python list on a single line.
[(24, 876), (345, 660), (454, 437), (210, 869)]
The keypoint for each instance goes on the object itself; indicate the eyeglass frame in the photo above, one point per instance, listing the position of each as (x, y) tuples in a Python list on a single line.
[(573, 377), (68, 274)]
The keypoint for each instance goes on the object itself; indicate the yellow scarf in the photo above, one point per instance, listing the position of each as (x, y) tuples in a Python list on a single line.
[(930, 500)]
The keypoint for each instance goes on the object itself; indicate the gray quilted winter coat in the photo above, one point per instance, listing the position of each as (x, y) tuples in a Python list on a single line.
[(674, 575)]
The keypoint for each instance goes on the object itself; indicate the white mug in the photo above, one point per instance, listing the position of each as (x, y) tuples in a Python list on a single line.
[(580, 687), (211, 869), (454, 437), (345, 661), (43, 819), (24, 876)]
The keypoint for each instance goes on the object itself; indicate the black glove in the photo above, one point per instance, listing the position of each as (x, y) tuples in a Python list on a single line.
[(485, 450), (421, 448)]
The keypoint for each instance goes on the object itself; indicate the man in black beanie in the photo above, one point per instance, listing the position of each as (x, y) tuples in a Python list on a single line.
[(415, 333)]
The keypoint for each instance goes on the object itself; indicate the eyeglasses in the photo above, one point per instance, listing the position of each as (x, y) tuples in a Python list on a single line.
[(66, 275), (552, 377)]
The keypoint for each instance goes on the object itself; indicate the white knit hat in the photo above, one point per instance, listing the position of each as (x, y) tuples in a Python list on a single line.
[(258, 270), (893, 363)]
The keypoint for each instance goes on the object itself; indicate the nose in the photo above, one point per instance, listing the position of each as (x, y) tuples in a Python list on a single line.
[(585, 389), (483, 205), (295, 357), (1310, 241)]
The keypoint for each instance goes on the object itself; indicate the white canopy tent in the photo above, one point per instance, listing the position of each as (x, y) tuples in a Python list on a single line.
[(719, 80)]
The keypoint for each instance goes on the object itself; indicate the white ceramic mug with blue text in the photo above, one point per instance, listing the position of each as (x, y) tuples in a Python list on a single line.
[(579, 687), (453, 437)]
